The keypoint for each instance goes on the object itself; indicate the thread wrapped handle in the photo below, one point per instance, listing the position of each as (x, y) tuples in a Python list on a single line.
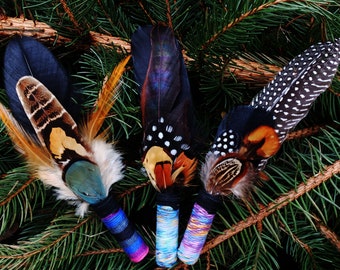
[(167, 227), (198, 227), (115, 219)]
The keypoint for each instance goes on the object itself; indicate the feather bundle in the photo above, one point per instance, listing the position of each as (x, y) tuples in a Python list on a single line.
[(248, 135), (76, 161), (167, 117), (42, 129)]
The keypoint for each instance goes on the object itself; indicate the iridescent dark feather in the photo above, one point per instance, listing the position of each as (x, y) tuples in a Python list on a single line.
[(252, 134), (167, 117), (24, 56), (166, 104)]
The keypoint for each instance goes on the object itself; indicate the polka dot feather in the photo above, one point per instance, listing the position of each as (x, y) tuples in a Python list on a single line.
[(291, 94)]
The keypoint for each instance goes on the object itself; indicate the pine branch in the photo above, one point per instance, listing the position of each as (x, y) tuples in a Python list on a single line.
[(71, 15), (279, 203), (45, 247), (241, 69), (241, 18), (18, 191), (20, 26), (328, 233)]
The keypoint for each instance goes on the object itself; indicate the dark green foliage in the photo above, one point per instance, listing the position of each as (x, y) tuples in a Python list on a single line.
[(38, 232)]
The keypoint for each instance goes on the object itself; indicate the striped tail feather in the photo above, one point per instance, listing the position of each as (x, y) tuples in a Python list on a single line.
[(24, 56)]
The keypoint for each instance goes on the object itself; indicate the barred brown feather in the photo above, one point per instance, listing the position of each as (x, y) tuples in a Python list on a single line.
[(54, 126)]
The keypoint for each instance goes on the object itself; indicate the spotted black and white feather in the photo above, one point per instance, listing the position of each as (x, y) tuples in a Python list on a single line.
[(292, 92), (168, 139), (252, 134), (166, 104)]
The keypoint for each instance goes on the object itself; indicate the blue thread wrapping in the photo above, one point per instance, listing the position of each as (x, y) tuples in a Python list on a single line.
[(198, 227), (119, 225), (167, 228)]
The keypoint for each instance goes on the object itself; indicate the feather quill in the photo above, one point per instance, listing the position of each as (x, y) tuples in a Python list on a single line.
[(167, 118), (78, 163)]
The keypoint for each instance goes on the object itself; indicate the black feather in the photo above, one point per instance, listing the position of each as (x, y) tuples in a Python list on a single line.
[(291, 94), (26, 56), (165, 90)]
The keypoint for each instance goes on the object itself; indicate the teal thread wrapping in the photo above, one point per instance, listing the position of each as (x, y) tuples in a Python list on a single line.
[(198, 227), (166, 236), (119, 225), (167, 226)]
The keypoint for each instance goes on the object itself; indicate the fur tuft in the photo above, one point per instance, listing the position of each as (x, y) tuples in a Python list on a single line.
[(109, 161), (206, 168), (51, 176)]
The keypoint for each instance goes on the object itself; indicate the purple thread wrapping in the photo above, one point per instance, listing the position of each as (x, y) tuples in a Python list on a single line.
[(166, 236), (127, 236), (195, 235)]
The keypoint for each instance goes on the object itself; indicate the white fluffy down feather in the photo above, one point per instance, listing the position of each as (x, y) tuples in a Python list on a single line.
[(110, 164)]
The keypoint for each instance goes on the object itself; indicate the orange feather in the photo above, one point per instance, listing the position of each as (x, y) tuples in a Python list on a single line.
[(105, 101), (35, 154)]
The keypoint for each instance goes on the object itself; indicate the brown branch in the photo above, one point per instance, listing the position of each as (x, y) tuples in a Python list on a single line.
[(279, 203), (19, 26), (109, 41), (129, 191), (19, 190), (306, 132), (251, 71), (241, 18), (99, 252), (332, 237), (70, 15), (241, 69), (146, 12), (168, 13)]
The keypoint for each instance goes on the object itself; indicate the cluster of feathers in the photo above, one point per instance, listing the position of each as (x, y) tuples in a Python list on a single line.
[(26, 58), (246, 137)]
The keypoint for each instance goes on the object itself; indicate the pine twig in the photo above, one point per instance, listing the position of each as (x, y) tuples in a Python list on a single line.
[(306, 132), (19, 26), (13, 195), (332, 237), (44, 248), (241, 69), (99, 252), (241, 18), (251, 71), (279, 203), (70, 15)]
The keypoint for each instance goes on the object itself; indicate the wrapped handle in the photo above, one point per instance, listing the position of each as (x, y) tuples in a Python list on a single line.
[(198, 227), (119, 225), (167, 228)]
